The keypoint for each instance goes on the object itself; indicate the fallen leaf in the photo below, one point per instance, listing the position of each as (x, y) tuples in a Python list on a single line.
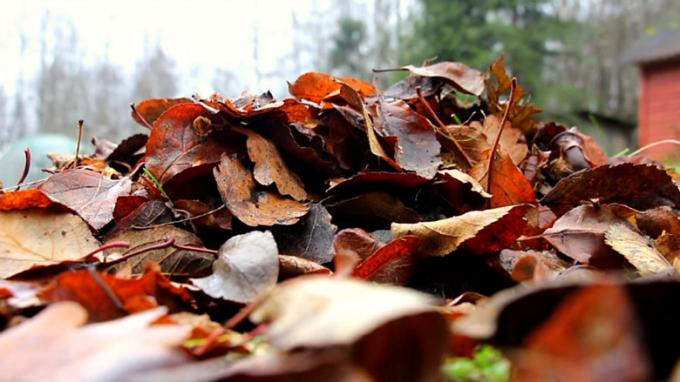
[(595, 329), (174, 146), (311, 238), (152, 108), (293, 266), (55, 346), (24, 199), (512, 140), (579, 233), (415, 144), (270, 167), (461, 76), (508, 184), (636, 248), (384, 325), (355, 240), (37, 238), (316, 86), (392, 263), (640, 186), (247, 267), (254, 208), (106, 297), (90, 194), (483, 231), (170, 260)]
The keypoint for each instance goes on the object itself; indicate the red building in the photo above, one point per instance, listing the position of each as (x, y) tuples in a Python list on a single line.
[(658, 59)]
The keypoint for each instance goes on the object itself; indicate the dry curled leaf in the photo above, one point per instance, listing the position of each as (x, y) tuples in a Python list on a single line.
[(483, 231), (636, 248), (457, 74), (253, 207), (270, 167), (247, 267)]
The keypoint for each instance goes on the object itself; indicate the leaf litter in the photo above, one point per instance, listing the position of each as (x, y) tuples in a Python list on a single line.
[(345, 233)]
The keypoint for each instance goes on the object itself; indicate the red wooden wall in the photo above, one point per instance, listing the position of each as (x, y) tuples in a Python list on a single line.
[(659, 113)]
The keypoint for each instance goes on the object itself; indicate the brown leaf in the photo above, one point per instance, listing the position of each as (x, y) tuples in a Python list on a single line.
[(636, 248), (106, 296), (311, 238), (210, 216), (90, 194), (459, 75), (593, 336), (316, 86), (531, 265), (415, 144), (69, 351), (579, 233), (508, 184), (372, 208), (39, 238), (384, 325), (174, 146), (270, 167), (482, 231), (169, 260), (511, 141), (293, 266), (355, 240), (637, 185), (247, 267), (253, 207), (152, 108), (24, 199)]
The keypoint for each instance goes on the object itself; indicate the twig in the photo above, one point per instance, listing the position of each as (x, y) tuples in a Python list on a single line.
[(508, 106), (653, 144), (27, 167), (107, 290), (181, 220), (164, 244), (140, 116), (6, 189), (195, 249), (80, 138), (442, 126), (104, 247)]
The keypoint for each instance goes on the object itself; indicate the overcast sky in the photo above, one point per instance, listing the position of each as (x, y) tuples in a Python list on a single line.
[(200, 36)]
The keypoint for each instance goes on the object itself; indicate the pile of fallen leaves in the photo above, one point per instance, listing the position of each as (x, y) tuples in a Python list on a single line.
[(346, 233)]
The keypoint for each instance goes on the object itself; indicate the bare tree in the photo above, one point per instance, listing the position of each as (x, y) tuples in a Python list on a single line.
[(155, 76)]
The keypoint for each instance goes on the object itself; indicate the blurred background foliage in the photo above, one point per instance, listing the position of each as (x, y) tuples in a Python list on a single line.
[(567, 53)]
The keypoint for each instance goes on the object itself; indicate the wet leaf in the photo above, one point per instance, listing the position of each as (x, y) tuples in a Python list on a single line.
[(33, 238), (392, 263), (90, 194), (247, 267), (254, 208)]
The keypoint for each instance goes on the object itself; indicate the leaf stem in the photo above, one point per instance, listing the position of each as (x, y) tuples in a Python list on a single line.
[(508, 106), (442, 126), (27, 167), (80, 138)]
